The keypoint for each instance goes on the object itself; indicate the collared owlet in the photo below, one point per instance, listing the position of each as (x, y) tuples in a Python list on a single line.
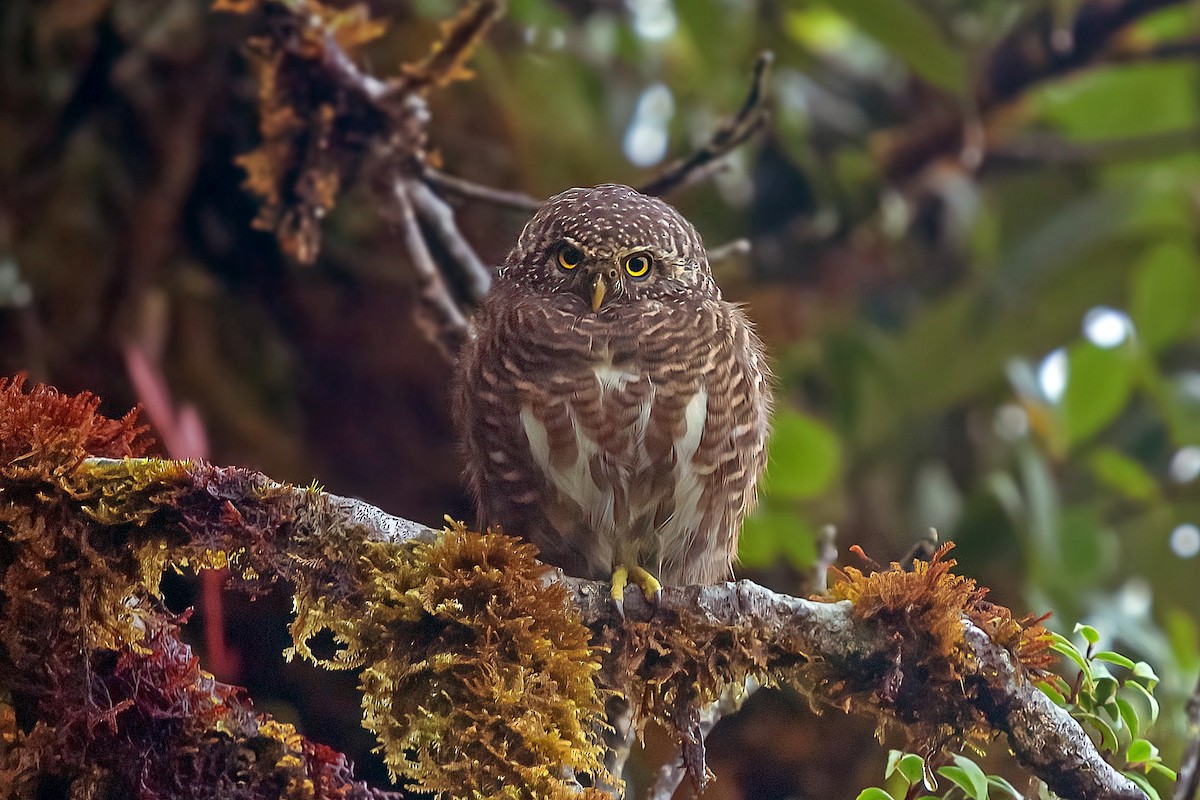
[(612, 408)]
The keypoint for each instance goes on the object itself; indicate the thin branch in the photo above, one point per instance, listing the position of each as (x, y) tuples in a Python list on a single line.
[(738, 248), (345, 73), (517, 201), (671, 774), (448, 325), (1159, 51), (447, 61), (729, 136), (1188, 787), (1025, 58), (1041, 150), (827, 555), (434, 212)]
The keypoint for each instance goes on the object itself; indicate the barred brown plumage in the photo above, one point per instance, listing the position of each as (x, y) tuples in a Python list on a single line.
[(612, 416)]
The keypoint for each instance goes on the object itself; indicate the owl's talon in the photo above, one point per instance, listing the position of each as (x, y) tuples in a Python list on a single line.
[(622, 576), (649, 584)]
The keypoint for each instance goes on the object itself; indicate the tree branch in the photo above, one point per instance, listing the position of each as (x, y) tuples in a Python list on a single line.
[(726, 138), (517, 201), (446, 325), (792, 634), (1030, 55)]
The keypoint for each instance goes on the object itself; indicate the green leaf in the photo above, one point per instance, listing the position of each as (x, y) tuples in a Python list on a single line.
[(1090, 634), (1144, 673), (1053, 694), (803, 457), (1120, 472), (912, 768), (1063, 645), (1108, 737), (1105, 689), (1150, 701), (772, 532), (874, 794), (1114, 714), (996, 782), (1117, 102), (1141, 751), (1166, 294), (1142, 784), (1099, 382), (1164, 770), (967, 775), (1114, 658), (911, 36), (1129, 716), (759, 544)]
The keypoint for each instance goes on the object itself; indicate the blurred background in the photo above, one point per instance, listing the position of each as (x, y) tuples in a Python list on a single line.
[(974, 261)]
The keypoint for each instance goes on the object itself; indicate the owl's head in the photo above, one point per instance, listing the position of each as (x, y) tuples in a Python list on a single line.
[(609, 245)]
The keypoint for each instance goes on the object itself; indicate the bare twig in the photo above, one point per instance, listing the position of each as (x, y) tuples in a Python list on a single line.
[(1188, 787), (1041, 150), (345, 73), (738, 248), (434, 212), (517, 201), (671, 774), (827, 554), (730, 135), (1159, 51), (447, 61), (448, 325)]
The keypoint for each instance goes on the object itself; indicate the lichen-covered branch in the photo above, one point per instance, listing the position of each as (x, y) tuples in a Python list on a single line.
[(484, 672)]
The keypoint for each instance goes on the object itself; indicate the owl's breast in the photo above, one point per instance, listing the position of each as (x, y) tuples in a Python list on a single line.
[(615, 428), (625, 437)]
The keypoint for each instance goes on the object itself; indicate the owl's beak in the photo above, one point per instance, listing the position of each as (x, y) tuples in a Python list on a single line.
[(599, 289)]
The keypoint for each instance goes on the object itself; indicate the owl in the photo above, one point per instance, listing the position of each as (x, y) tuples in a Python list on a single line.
[(611, 407)]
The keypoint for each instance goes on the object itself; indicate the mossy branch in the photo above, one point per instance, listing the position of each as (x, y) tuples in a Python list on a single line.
[(484, 672)]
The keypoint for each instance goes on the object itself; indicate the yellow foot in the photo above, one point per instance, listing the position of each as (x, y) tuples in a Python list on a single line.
[(623, 576)]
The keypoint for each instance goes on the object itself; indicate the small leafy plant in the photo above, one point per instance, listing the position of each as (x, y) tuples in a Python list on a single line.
[(911, 775), (1117, 711)]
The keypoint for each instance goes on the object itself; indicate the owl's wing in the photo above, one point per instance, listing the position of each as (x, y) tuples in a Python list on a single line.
[(731, 453)]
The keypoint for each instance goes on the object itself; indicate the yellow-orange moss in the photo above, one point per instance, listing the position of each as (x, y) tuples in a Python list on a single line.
[(933, 600), (477, 673), (921, 677)]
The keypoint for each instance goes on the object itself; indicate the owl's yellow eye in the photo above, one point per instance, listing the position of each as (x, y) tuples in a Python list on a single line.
[(638, 265), (569, 258)]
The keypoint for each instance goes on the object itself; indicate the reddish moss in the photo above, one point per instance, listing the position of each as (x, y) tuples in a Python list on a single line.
[(44, 433), (114, 703), (924, 677)]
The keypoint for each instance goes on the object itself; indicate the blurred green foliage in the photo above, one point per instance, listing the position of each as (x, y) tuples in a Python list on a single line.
[(975, 263)]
